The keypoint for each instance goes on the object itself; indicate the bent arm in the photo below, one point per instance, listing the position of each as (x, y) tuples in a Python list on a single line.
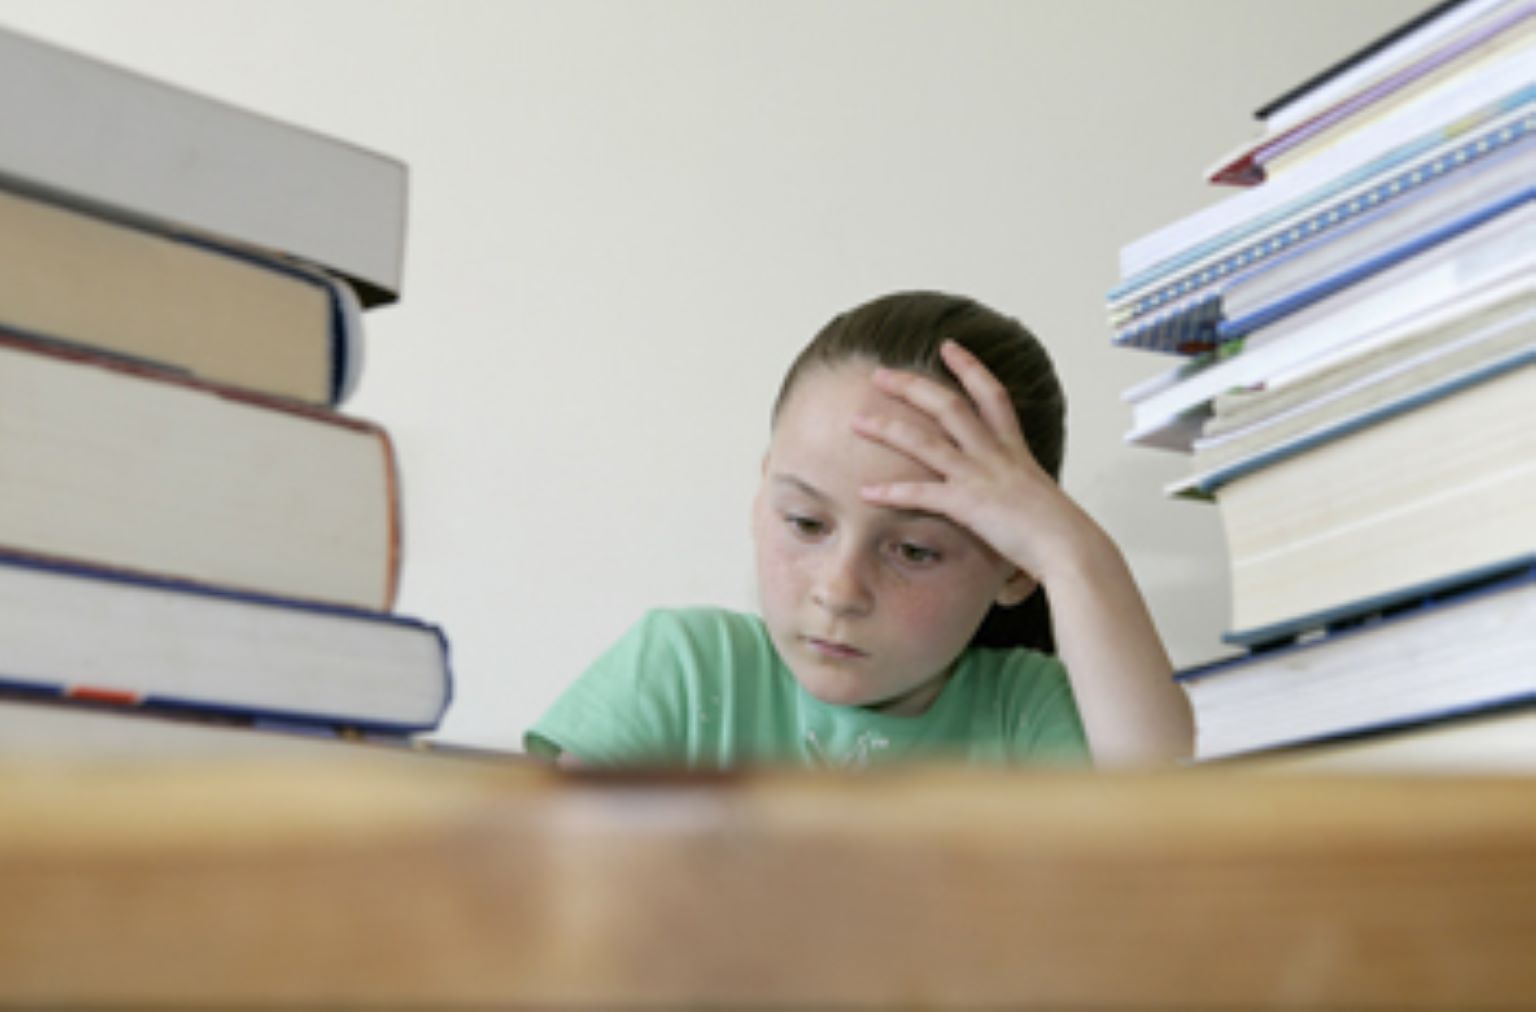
[(1132, 710), (989, 482)]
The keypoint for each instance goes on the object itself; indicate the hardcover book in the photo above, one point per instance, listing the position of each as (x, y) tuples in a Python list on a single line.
[(1425, 493), (1461, 652), (117, 465), (95, 634), (79, 725), (83, 131), (1498, 740), (255, 322)]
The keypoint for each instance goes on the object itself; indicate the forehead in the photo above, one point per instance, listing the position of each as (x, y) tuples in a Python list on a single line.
[(843, 389), (813, 437)]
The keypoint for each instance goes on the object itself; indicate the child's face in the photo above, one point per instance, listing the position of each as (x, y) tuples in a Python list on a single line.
[(867, 605)]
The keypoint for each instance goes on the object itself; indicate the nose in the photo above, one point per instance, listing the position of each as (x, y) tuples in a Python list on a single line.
[(841, 586)]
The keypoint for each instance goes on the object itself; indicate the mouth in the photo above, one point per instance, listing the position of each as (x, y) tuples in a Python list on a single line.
[(833, 649)]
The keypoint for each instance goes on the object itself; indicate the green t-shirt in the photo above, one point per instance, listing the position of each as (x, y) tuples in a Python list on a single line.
[(705, 689)]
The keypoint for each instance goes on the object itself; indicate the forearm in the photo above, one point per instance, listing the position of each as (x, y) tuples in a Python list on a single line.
[(1132, 710)]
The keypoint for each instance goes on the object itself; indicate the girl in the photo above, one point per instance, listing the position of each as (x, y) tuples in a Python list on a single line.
[(909, 530)]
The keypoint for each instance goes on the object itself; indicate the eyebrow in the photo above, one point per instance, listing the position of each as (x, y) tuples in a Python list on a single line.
[(807, 488)]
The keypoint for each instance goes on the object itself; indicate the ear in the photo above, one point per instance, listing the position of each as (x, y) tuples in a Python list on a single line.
[(1016, 589)]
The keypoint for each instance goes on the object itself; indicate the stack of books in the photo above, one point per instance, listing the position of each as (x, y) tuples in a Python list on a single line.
[(1357, 390), (188, 524)]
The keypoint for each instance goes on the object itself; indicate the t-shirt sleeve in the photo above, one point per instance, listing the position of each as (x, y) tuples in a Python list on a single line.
[(1051, 730), (627, 708)]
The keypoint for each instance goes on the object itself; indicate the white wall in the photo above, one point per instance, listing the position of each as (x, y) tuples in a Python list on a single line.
[(627, 216)]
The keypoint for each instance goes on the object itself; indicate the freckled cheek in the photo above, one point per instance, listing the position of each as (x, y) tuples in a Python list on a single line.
[(925, 613), (779, 570)]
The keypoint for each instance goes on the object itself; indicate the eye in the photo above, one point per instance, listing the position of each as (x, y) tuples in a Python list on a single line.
[(915, 555), (804, 526)]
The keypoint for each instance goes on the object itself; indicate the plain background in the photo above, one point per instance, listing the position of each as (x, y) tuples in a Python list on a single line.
[(626, 217)]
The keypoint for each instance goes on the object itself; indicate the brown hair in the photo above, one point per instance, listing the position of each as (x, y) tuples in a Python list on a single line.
[(905, 331)]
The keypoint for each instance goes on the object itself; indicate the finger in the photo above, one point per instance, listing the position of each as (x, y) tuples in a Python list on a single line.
[(922, 496), (923, 443), (952, 410), (986, 391)]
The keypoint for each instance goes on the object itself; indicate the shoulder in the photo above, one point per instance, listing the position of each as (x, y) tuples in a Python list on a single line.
[(1019, 669), (1018, 682), (1029, 697)]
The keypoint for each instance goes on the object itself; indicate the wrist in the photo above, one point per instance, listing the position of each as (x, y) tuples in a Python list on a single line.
[(1083, 551)]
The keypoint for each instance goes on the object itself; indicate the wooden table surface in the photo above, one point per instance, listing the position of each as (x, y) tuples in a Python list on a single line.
[(430, 881)]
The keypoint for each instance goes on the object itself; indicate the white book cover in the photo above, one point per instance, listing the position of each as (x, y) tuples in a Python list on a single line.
[(1457, 277), (1145, 259), (121, 143), (1383, 62)]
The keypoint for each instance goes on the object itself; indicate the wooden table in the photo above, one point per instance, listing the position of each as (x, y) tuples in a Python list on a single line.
[(437, 881)]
